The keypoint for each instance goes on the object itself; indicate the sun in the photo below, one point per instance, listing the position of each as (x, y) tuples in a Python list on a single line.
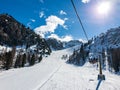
[(103, 7)]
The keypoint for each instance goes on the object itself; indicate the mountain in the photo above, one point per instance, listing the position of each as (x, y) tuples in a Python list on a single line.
[(13, 33), (55, 44), (107, 46), (25, 47), (110, 39), (72, 43), (59, 45)]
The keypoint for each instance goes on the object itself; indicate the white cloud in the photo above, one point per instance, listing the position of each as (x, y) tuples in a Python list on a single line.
[(65, 19), (85, 1), (41, 14), (52, 23), (63, 12), (33, 20), (65, 26), (63, 38)]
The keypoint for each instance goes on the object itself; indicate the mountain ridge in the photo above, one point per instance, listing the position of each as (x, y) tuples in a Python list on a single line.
[(14, 33), (59, 45)]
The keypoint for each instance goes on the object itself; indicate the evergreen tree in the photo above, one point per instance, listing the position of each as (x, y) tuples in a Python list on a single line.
[(2, 60), (29, 58), (32, 60), (20, 60), (116, 59), (9, 56), (8, 60), (17, 61), (78, 58), (23, 60), (82, 52)]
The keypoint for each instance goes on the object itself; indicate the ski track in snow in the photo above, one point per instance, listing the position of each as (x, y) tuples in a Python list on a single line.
[(55, 74), (40, 86)]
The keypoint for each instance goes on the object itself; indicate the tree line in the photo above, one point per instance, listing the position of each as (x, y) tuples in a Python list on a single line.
[(20, 58), (114, 59), (79, 56)]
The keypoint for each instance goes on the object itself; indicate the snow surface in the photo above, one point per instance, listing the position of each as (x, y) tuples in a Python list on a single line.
[(53, 73)]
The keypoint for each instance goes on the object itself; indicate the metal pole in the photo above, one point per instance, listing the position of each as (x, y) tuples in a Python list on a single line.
[(100, 67), (100, 75)]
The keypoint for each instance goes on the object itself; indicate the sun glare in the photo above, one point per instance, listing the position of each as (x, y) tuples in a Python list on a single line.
[(104, 7)]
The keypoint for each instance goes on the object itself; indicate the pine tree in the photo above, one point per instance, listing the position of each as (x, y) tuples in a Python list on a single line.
[(82, 52), (32, 60), (2, 60), (9, 56), (78, 58), (23, 60), (9, 60), (116, 59), (29, 58), (20, 60), (17, 61)]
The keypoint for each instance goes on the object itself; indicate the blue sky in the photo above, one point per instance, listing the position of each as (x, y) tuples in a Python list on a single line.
[(57, 18)]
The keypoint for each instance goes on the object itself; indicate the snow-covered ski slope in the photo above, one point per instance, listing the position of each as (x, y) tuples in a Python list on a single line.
[(53, 73)]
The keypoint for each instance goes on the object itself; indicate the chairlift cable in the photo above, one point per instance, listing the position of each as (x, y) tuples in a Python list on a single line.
[(79, 19)]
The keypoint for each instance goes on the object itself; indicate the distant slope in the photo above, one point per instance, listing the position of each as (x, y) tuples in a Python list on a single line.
[(59, 45)]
